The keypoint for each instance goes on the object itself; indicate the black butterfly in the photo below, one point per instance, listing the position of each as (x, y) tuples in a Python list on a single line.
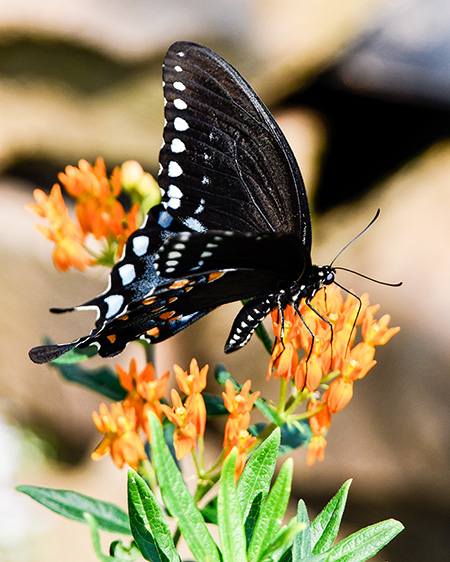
[(234, 222)]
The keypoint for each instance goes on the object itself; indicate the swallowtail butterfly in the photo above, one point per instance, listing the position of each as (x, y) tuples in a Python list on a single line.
[(234, 222)]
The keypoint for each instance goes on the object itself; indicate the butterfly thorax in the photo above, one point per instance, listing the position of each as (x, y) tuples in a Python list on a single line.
[(307, 287)]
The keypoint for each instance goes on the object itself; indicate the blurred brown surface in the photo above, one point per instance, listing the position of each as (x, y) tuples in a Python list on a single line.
[(79, 81)]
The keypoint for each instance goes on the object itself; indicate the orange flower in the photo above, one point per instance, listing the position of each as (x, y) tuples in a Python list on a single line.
[(195, 381), (308, 373), (67, 235), (319, 423), (121, 438), (377, 332), (144, 392), (239, 403), (316, 450), (98, 210), (183, 416), (243, 441), (338, 394)]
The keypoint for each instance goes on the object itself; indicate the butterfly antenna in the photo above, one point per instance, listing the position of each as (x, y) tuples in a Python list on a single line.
[(370, 278), (377, 214)]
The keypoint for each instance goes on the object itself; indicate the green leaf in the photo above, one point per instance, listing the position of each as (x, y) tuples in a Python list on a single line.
[(265, 338), (325, 527), (302, 543), (272, 512), (214, 405), (365, 543), (282, 542), (148, 523), (209, 512), (222, 375), (122, 553), (96, 539), (104, 381), (229, 516), (254, 483), (294, 435), (73, 505), (179, 501)]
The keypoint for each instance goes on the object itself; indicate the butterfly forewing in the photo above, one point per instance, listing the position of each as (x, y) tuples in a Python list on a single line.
[(225, 163)]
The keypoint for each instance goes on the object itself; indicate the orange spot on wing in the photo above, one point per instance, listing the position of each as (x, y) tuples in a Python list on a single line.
[(153, 332), (167, 315), (149, 301), (124, 317), (179, 284), (112, 338), (173, 299), (214, 276)]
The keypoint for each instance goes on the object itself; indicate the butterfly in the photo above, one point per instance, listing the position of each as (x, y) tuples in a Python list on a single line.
[(233, 223)]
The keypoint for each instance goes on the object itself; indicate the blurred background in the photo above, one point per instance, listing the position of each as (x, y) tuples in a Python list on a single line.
[(361, 89)]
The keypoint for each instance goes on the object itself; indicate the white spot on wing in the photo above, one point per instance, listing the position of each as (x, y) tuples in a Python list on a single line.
[(174, 203), (174, 169), (174, 255), (140, 245), (200, 208), (206, 180), (127, 273), (174, 191), (177, 68), (180, 54), (114, 303), (194, 224), (179, 103), (177, 146), (179, 86), (180, 124)]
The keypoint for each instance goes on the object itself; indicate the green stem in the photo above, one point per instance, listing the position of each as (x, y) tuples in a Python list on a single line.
[(282, 396)]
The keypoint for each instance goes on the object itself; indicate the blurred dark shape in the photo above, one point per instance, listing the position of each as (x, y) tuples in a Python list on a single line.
[(386, 100)]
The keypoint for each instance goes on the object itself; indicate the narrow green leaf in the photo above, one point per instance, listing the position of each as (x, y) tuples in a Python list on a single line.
[(214, 405), (302, 543), (365, 543), (209, 512), (272, 512), (73, 505), (282, 542), (96, 539), (122, 553), (229, 516), (316, 558), (265, 338), (254, 483), (294, 435), (148, 523), (325, 527), (222, 375), (102, 380), (179, 501)]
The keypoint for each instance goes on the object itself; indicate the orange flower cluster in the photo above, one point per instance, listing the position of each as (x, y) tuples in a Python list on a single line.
[(121, 425), (67, 235), (333, 353), (190, 417), (239, 406), (99, 213)]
